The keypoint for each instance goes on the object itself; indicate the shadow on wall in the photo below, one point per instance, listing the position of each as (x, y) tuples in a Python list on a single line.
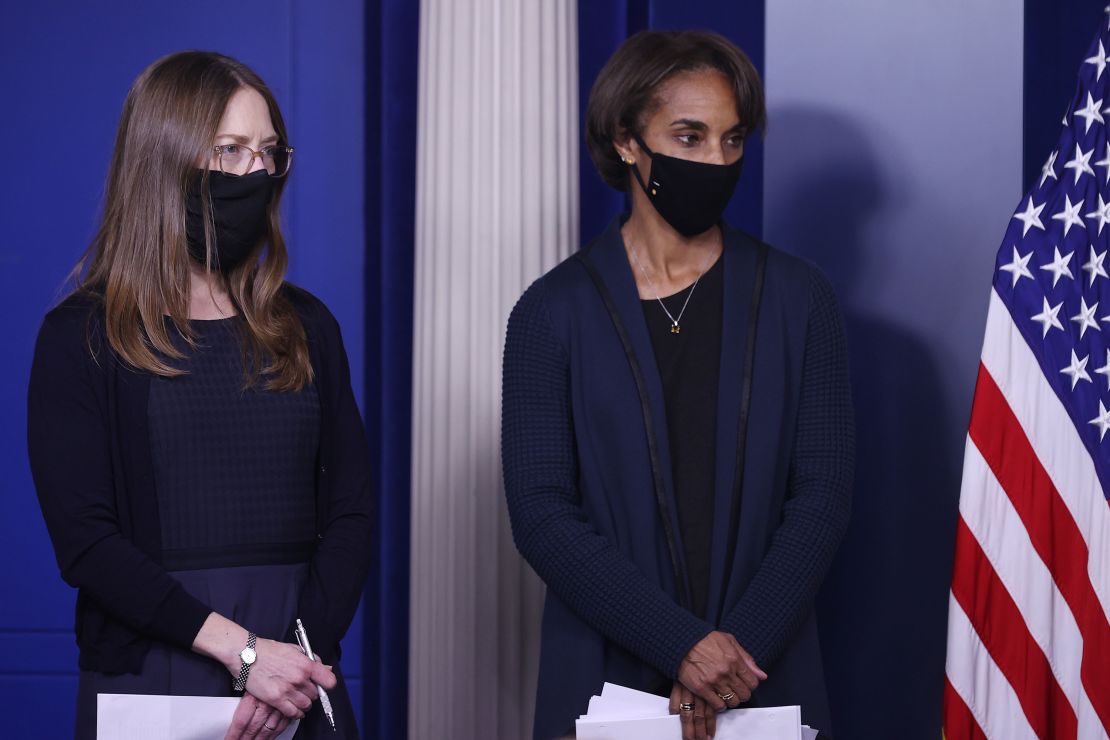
[(883, 609)]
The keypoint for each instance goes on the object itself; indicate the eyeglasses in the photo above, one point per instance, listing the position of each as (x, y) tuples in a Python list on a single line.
[(237, 159)]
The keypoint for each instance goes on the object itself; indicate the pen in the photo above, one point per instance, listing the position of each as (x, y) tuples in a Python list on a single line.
[(325, 702)]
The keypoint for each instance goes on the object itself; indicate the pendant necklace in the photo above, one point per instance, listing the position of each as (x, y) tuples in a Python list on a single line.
[(676, 327)]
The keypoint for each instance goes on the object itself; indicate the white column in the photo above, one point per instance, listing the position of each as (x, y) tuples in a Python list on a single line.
[(496, 206)]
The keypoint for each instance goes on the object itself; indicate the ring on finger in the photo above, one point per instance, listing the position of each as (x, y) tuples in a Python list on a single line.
[(727, 697), (686, 706)]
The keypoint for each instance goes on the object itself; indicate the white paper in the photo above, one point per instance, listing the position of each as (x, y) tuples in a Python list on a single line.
[(653, 728), (765, 723), (620, 702), (147, 717), (621, 713)]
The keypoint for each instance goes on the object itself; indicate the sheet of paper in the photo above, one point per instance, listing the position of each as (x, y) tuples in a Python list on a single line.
[(766, 723), (651, 728), (620, 713), (144, 717), (619, 702)]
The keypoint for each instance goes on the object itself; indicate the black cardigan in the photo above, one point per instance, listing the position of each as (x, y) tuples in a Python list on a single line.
[(91, 462), (589, 483)]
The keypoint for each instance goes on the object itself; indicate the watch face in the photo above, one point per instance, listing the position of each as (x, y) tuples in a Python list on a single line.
[(248, 655)]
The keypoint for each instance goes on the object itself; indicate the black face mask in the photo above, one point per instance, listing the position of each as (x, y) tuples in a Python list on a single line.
[(690, 196), (239, 211)]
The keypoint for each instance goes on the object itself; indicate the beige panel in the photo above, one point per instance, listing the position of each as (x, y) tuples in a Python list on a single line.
[(496, 206)]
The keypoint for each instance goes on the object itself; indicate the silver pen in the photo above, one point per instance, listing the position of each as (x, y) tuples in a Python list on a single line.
[(325, 702)]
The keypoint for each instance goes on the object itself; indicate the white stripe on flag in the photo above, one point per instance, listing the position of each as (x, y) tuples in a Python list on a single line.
[(973, 673), (1050, 430), (996, 525)]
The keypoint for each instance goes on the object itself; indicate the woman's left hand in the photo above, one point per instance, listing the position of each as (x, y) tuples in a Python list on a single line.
[(698, 723), (255, 720)]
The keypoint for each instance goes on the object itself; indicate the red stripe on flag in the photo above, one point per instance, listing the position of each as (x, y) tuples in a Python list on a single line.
[(1002, 629), (959, 723), (1055, 536)]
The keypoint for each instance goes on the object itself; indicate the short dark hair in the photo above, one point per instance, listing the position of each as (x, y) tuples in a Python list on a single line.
[(626, 87)]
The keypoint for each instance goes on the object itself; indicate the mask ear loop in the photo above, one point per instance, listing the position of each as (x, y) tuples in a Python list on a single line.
[(636, 170)]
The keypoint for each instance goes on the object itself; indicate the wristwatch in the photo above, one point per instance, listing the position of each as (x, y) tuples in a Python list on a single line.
[(248, 656)]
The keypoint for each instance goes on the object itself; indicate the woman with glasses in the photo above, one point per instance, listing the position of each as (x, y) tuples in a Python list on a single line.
[(677, 433), (195, 444)]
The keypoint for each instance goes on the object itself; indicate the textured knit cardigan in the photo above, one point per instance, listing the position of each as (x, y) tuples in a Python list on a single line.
[(583, 420), (91, 461)]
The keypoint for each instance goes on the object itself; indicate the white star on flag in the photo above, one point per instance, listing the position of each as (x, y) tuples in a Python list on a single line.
[(1099, 60), (1077, 370), (1090, 113), (1049, 317), (1102, 213), (1102, 421), (1105, 370), (1081, 163), (1049, 169), (1086, 317), (1019, 268), (1094, 265), (1105, 162), (1032, 217), (1070, 215), (1059, 266)]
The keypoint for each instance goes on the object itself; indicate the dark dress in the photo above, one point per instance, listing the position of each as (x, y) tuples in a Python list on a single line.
[(234, 471)]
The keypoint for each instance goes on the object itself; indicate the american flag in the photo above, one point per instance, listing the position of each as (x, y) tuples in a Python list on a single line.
[(1028, 629)]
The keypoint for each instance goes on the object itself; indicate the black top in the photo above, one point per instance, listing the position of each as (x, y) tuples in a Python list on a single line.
[(89, 444), (234, 467), (689, 367)]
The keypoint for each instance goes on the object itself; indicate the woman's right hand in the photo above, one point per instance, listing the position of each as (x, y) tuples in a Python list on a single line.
[(283, 677), (717, 666)]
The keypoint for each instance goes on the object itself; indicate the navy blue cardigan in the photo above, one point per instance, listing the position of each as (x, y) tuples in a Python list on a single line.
[(582, 492), (91, 463)]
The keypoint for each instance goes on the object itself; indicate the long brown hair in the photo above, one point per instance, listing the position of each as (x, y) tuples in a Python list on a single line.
[(138, 263)]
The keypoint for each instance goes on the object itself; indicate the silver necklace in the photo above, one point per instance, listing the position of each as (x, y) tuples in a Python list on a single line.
[(676, 328)]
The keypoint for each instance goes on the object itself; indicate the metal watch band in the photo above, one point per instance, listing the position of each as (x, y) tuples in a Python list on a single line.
[(245, 669)]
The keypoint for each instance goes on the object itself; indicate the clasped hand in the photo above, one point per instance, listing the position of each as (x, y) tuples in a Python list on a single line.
[(716, 674), (281, 687)]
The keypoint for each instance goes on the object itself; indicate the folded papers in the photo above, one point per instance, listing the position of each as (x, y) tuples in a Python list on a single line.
[(621, 713)]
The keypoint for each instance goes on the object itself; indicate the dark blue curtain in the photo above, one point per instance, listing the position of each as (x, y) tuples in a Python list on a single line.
[(603, 26), (1057, 33), (392, 42)]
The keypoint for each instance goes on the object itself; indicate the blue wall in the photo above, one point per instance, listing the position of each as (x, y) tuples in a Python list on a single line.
[(894, 161), (65, 68)]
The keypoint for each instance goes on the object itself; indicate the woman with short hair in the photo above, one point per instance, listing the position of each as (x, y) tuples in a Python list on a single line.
[(677, 431), (194, 441)]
